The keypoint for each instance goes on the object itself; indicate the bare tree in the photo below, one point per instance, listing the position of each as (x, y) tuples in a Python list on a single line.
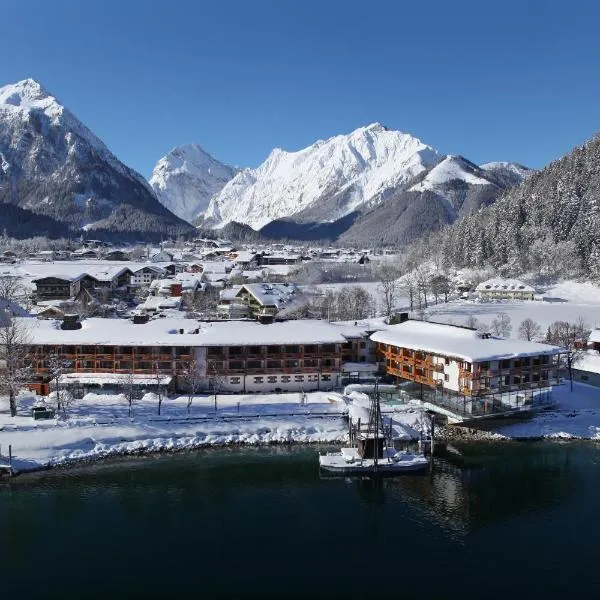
[(57, 367), (192, 380), (440, 286), (422, 284), (14, 365), (159, 386), (129, 385), (216, 378), (409, 286), (388, 284), (529, 330), (501, 325), (572, 337), (11, 288), (472, 322)]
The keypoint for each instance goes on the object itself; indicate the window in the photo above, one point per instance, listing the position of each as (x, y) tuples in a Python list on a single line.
[(235, 380), (285, 379), (258, 379), (447, 360), (584, 378), (484, 366), (446, 377), (292, 349), (272, 379), (325, 377), (254, 364), (362, 345), (310, 349), (236, 364), (328, 348), (505, 364), (310, 362), (273, 364), (299, 378), (292, 364)]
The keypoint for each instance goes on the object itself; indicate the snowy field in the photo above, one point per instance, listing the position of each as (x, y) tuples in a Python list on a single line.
[(578, 300)]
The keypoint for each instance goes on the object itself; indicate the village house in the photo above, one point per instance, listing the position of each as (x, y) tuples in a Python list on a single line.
[(54, 287), (143, 276), (162, 256), (265, 300), (505, 289)]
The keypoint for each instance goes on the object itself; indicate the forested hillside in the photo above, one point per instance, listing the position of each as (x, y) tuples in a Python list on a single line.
[(549, 225)]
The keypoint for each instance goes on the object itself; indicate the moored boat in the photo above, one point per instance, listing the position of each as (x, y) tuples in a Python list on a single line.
[(370, 450)]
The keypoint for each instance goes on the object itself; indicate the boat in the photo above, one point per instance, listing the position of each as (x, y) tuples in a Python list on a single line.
[(370, 451)]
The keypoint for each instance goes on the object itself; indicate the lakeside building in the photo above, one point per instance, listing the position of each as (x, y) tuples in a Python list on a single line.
[(233, 356), (505, 289), (463, 373)]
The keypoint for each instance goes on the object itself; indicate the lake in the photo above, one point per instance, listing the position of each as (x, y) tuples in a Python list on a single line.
[(490, 521)]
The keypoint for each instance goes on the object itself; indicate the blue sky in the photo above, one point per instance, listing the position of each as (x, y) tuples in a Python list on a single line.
[(489, 80)]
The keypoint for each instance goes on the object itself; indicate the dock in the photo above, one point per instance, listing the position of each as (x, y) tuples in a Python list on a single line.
[(6, 468)]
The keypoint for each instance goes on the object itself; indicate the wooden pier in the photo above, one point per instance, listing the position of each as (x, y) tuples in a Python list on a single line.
[(6, 468)]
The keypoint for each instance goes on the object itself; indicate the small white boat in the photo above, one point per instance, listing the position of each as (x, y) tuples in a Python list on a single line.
[(369, 452), (348, 461)]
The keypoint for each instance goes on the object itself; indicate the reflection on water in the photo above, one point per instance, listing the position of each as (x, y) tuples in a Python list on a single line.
[(262, 523)]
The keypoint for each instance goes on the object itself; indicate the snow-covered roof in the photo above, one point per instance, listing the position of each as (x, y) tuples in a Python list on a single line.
[(160, 303), (594, 336), (271, 294), (499, 285), (459, 342), (165, 332)]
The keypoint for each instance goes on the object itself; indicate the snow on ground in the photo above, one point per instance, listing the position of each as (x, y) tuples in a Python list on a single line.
[(543, 313), (98, 426), (576, 416)]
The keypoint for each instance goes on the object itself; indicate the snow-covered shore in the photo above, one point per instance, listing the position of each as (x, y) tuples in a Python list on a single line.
[(98, 426)]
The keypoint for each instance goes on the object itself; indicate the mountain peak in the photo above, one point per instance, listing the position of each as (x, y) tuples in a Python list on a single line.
[(186, 178), (23, 92), (376, 127)]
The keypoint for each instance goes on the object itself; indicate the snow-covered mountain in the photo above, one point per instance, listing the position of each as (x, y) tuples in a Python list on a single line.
[(54, 167), (325, 181), (187, 178), (450, 190), (359, 184)]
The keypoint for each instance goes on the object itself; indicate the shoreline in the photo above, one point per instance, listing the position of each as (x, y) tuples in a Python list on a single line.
[(448, 435)]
